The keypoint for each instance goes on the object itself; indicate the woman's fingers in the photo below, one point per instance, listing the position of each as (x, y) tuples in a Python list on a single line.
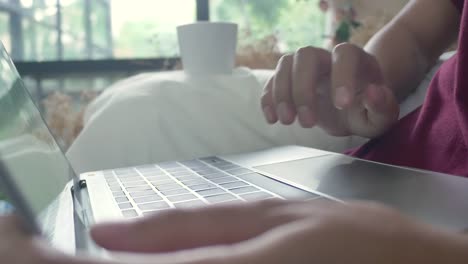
[(185, 229)]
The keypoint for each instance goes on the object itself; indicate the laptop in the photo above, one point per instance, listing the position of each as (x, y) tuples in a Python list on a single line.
[(59, 205)]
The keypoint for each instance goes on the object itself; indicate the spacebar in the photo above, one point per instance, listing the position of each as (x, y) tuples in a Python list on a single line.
[(286, 191)]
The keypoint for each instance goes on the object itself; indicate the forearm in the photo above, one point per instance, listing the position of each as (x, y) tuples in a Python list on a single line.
[(402, 63), (411, 44)]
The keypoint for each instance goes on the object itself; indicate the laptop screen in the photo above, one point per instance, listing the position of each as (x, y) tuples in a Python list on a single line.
[(28, 150)]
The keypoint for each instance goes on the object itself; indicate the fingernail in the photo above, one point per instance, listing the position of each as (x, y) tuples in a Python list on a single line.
[(285, 113), (306, 116), (343, 97), (269, 115)]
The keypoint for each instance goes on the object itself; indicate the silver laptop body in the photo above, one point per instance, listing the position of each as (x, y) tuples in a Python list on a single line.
[(60, 206)]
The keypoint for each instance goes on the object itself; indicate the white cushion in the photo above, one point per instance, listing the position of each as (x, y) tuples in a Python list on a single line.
[(164, 116)]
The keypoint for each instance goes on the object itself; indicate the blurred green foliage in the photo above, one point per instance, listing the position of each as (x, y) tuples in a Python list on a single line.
[(294, 23)]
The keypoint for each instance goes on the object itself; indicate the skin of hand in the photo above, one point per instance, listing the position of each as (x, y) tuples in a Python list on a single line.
[(342, 92), (271, 231)]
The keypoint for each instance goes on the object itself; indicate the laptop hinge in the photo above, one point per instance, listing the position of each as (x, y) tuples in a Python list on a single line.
[(82, 184)]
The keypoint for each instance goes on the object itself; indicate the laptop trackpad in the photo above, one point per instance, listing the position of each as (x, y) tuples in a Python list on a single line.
[(435, 198), (325, 174)]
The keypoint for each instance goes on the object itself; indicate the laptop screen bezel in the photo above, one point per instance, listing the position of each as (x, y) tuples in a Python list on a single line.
[(22, 208), (8, 185)]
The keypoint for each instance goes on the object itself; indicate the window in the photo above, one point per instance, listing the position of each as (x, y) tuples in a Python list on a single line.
[(4, 31), (50, 30), (36, 33), (150, 29)]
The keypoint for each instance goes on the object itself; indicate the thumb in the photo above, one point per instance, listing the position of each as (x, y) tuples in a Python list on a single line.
[(352, 70), (382, 108)]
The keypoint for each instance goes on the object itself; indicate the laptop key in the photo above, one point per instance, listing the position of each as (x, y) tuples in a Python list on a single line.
[(147, 199), (141, 193), (158, 178), (118, 193), (200, 187), (194, 182), (256, 196), (132, 179), (154, 174), (190, 204), (129, 179), (154, 206), (221, 198), (134, 184), (129, 213), (180, 173), (211, 159), (138, 188), (121, 199), (215, 175), (153, 212), (183, 197), (113, 184), (178, 170), (161, 182), (126, 176), (175, 192), (224, 166), (210, 192), (206, 172), (235, 184), (200, 167), (167, 187), (228, 167), (246, 189), (115, 188), (187, 178), (224, 180), (125, 206)]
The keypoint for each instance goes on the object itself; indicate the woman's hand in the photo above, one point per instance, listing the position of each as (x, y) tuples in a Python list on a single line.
[(266, 232), (342, 92), (284, 232)]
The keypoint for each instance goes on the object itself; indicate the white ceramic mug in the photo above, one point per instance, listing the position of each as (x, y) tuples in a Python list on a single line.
[(208, 48)]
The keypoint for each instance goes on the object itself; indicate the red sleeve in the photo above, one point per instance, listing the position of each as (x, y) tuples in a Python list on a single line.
[(458, 4)]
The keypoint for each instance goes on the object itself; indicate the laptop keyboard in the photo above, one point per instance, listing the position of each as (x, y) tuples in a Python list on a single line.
[(147, 189)]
